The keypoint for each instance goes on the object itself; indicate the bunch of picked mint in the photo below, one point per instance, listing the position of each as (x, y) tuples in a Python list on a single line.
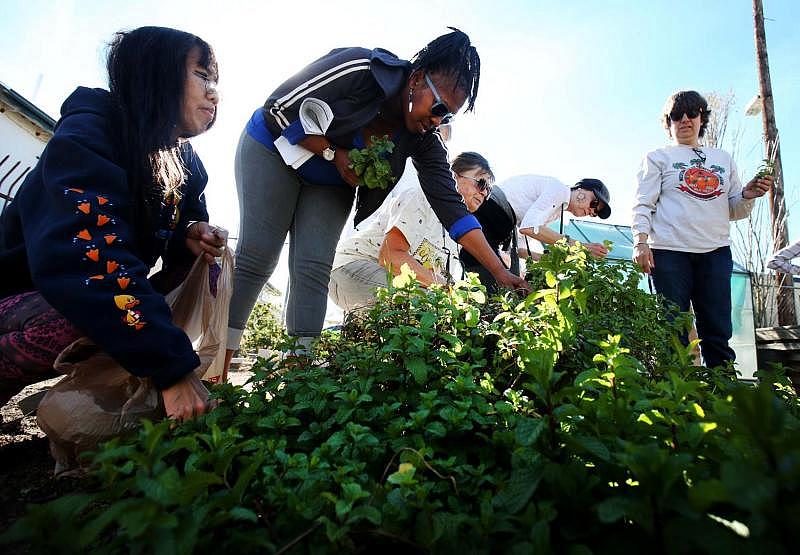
[(370, 165)]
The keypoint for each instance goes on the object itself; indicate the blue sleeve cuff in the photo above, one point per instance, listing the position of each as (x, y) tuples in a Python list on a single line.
[(257, 128), (295, 132), (463, 226)]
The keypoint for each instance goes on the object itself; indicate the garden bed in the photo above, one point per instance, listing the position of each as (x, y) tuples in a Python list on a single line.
[(25, 462), (569, 422)]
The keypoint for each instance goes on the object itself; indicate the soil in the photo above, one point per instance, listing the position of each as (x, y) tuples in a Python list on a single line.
[(26, 467), (25, 462)]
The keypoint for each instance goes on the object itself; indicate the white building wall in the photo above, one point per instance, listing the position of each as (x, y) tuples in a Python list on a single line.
[(19, 151)]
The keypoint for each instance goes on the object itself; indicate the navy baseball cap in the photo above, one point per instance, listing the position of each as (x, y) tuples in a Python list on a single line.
[(600, 192)]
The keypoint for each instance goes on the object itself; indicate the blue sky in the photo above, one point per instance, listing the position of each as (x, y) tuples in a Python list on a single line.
[(571, 89)]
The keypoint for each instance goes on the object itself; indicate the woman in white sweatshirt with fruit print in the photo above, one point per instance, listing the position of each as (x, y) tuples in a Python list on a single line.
[(687, 195)]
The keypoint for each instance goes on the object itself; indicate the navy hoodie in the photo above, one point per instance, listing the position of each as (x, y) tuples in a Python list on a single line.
[(70, 235)]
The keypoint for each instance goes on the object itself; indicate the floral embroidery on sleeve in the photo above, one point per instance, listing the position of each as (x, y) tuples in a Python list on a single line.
[(95, 233)]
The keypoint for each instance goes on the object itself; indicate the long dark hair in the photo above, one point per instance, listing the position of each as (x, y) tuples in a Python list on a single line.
[(146, 77), (453, 55)]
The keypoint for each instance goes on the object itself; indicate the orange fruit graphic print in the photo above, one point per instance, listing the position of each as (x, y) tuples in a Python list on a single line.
[(698, 181)]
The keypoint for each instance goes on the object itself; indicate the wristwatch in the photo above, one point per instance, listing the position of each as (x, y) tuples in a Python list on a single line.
[(328, 153)]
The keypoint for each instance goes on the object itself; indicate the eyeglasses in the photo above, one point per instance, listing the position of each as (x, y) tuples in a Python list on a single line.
[(439, 108), (211, 86), (676, 115), (482, 184)]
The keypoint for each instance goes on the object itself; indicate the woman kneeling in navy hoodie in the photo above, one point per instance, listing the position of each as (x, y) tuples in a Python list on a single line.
[(117, 187)]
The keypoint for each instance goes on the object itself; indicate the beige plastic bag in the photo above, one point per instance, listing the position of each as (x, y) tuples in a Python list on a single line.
[(98, 399), (204, 317)]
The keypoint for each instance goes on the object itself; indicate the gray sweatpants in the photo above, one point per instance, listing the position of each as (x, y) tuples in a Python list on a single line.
[(274, 201), (353, 285)]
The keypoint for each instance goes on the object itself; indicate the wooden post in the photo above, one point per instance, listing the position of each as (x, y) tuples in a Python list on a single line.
[(780, 234)]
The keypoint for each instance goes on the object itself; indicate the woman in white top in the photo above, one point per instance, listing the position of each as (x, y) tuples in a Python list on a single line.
[(781, 261), (687, 195), (539, 200), (406, 231)]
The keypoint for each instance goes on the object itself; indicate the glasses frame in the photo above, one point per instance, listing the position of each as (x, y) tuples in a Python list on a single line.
[(208, 83), (439, 105), (481, 182)]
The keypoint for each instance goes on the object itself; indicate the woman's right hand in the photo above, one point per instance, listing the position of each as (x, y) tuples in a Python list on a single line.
[(342, 162), (510, 281), (186, 398), (643, 256)]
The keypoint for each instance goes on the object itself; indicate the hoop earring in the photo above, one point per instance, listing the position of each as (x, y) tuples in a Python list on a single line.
[(580, 196), (410, 102)]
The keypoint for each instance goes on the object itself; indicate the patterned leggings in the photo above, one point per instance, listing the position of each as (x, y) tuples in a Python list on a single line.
[(32, 334)]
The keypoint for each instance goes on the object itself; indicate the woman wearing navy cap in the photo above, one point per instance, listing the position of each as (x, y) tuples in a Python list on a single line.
[(532, 202)]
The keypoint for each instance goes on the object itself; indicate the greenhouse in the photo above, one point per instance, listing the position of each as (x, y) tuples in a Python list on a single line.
[(743, 340)]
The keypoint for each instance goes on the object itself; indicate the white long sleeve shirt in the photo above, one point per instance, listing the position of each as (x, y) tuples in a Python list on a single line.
[(537, 200), (782, 260), (687, 197)]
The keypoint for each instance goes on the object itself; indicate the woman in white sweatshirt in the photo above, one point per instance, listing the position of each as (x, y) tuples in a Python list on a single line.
[(406, 231), (687, 195)]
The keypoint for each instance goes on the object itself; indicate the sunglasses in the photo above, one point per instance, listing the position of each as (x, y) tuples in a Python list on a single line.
[(596, 205), (439, 108), (678, 115), (483, 185)]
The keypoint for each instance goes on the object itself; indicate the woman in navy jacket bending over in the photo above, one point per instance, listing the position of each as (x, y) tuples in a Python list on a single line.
[(350, 94), (117, 187)]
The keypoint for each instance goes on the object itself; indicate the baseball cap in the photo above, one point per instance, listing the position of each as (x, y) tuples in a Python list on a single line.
[(600, 192)]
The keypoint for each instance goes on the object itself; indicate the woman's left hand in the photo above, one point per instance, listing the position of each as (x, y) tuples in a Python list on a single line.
[(758, 186), (207, 240), (342, 162), (186, 399), (598, 250)]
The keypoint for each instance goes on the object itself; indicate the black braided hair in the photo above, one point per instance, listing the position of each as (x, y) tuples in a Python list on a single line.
[(453, 55)]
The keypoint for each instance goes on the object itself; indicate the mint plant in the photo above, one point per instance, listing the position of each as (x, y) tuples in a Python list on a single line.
[(766, 168), (442, 421), (264, 329), (370, 163)]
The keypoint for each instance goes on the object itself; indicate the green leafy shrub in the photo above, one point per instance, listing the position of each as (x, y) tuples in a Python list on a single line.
[(264, 329), (370, 164), (442, 422), (610, 303)]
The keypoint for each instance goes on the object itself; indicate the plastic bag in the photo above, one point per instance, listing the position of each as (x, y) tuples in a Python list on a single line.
[(203, 316), (98, 399)]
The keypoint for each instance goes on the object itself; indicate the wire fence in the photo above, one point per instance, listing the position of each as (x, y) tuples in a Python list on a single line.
[(765, 299)]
